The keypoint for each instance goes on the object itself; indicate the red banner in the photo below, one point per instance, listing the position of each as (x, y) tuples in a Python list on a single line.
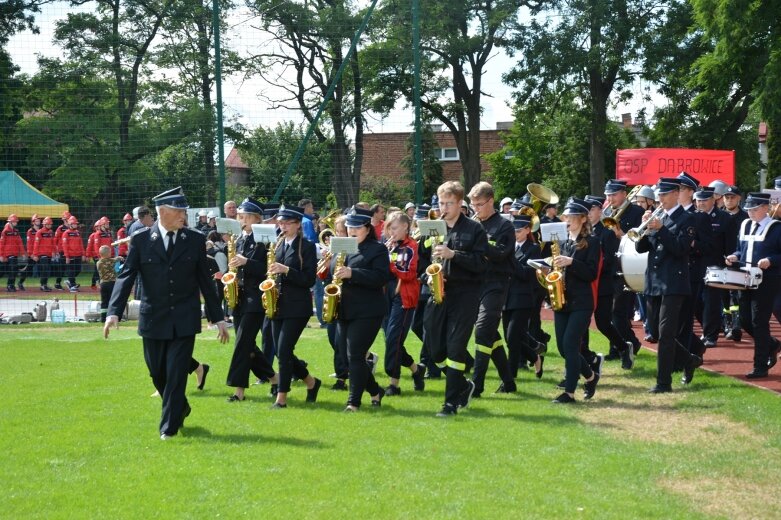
[(646, 165)]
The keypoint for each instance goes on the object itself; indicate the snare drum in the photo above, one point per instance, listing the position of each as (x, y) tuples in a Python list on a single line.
[(733, 279), (633, 264)]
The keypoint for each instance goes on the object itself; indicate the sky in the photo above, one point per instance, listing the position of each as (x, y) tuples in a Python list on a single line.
[(240, 96)]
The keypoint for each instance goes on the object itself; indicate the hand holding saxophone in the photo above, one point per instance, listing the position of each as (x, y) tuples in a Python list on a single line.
[(277, 268), (444, 252), (562, 261), (343, 273), (237, 261)]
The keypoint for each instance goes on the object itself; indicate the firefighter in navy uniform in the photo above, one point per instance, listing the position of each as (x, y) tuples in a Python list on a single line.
[(250, 263), (732, 200), (11, 250), (496, 280), (449, 324), (667, 241), (623, 301), (760, 246), (709, 314)]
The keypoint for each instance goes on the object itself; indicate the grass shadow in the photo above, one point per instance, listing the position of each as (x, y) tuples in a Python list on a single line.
[(203, 434)]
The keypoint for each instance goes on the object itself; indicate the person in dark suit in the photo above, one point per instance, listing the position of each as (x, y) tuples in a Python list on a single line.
[(519, 305), (362, 305), (760, 246), (295, 266), (579, 259), (251, 264), (668, 242), (732, 200), (171, 262)]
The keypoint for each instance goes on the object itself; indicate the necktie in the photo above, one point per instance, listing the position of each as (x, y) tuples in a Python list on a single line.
[(170, 249), (754, 228)]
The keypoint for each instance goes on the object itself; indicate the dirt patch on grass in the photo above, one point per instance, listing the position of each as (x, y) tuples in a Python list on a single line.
[(728, 497)]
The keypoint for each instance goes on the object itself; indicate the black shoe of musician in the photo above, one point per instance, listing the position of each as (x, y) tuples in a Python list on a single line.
[(734, 335), (311, 394), (590, 388), (507, 388), (661, 389), (447, 410), (339, 385), (418, 378), (628, 356), (756, 374), (538, 373), (564, 398), (466, 394), (11, 288), (562, 384), (688, 375), (58, 286), (773, 358), (21, 286), (392, 390), (650, 339), (612, 355), (274, 390)]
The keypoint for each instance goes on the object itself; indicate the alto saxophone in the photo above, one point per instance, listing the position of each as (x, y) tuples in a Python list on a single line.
[(332, 293), (229, 279), (554, 280), (436, 282), (269, 287)]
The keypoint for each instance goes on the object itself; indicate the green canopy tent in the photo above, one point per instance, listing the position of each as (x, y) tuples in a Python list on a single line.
[(19, 197)]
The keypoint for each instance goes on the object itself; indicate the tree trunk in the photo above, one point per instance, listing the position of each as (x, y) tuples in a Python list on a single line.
[(773, 150), (207, 131), (358, 122)]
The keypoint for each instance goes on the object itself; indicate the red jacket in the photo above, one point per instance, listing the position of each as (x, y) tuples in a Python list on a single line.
[(404, 266), (58, 231), (97, 239), (71, 245), (11, 242), (45, 243), (122, 233), (31, 239)]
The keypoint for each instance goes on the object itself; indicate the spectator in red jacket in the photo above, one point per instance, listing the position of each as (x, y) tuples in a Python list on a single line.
[(44, 249), (122, 233), (58, 263), (100, 237), (11, 249), (72, 250), (30, 269)]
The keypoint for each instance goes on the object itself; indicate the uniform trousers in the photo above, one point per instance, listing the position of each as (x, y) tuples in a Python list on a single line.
[(516, 328), (570, 327), (449, 326), (756, 306), (44, 269), (246, 354), (28, 271), (168, 361), (712, 298), (603, 317), (686, 337), (11, 265), (357, 337), (623, 307), (286, 333), (487, 337), (341, 363), (73, 268), (664, 315), (417, 327), (268, 341), (397, 327)]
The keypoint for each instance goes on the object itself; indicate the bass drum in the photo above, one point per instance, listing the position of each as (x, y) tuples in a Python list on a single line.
[(633, 265)]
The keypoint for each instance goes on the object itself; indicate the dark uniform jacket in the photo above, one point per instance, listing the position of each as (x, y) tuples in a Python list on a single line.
[(501, 244), (295, 300), (731, 236), (170, 302), (524, 279), (363, 293), (720, 227), (609, 243), (765, 245), (702, 245), (668, 255), (467, 268), (631, 218), (251, 274), (580, 275)]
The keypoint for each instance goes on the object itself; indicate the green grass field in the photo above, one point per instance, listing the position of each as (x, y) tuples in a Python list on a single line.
[(78, 437)]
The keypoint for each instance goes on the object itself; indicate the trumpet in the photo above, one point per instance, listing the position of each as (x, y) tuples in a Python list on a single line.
[(635, 234)]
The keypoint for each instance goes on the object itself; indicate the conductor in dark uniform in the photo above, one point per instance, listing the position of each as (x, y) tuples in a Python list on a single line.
[(667, 241), (171, 261)]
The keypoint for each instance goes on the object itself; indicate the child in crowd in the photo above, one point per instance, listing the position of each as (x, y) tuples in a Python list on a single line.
[(106, 266)]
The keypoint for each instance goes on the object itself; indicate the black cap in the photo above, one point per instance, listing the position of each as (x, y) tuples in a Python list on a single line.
[(755, 199), (687, 181), (358, 217), (421, 213), (250, 205), (576, 206), (290, 213), (522, 221), (668, 184), (704, 193), (595, 200), (733, 190), (614, 185), (172, 198)]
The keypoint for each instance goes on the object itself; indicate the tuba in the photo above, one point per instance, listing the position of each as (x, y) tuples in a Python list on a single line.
[(332, 293), (230, 279), (269, 287), (436, 281)]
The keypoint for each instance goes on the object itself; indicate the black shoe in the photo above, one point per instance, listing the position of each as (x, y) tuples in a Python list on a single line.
[(58, 287), (628, 356), (564, 398), (418, 379), (339, 385), (612, 356), (234, 398), (273, 390), (46, 288), (186, 412), (311, 394), (596, 363), (392, 390), (562, 384), (538, 373), (203, 378), (773, 358), (466, 394), (21, 286), (709, 343), (756, 374), (735, 335), (447, 410), (688, 375), (261, 381), (507, 388), (590, 387), (277, 406), (661, 389), (11, 288), (650, 339), (378, 402)]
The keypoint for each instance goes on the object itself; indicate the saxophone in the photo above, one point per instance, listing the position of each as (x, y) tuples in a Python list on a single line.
[(554, 280), (435, 280), (332, 293), (230, 279), (269, 287)]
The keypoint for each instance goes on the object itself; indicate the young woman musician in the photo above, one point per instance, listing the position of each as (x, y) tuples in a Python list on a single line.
[(579, 258), (362, 305), (296, 262), (403, 294)]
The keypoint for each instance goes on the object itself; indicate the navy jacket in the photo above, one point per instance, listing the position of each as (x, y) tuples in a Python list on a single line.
[(363, 294), (251, 274), (668, 255), (609, 243), (580, 274), (524, 279), (767, 245), (295, 300)]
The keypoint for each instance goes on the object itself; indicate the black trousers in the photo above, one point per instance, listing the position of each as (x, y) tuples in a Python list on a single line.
[(686, 337), (516, 328), (712, 298), (73, 268), (11, 266), (44, 269), (28, 271), (420, 331), (357, 337), (168, 362), (570, 328), (341, 363), (603, 317), (397, 326), (756, 306), (487, 338), (246, 354), (269, 350), (286, 332), (623, 308), (664, 315), (105, 297), (448, 327)]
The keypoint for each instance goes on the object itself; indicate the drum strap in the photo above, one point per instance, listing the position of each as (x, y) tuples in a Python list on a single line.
[(750, 239)]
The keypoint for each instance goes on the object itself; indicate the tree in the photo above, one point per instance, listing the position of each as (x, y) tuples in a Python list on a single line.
[(458, 39), (592, 47), (431, 168)]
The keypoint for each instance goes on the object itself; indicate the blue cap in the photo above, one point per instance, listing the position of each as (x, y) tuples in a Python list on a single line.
[(595, 200), (755, 199), (522, 221), (614, 185), (270, 209), (250, 205), (358, 217), (668, 184), (421, 213), (290, 213), (577, 206), (172, 198), (733, 190), (520, 203), (687, 181), (704, 193)]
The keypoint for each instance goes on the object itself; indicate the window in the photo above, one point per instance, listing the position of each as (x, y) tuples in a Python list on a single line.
[(446, 154)]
